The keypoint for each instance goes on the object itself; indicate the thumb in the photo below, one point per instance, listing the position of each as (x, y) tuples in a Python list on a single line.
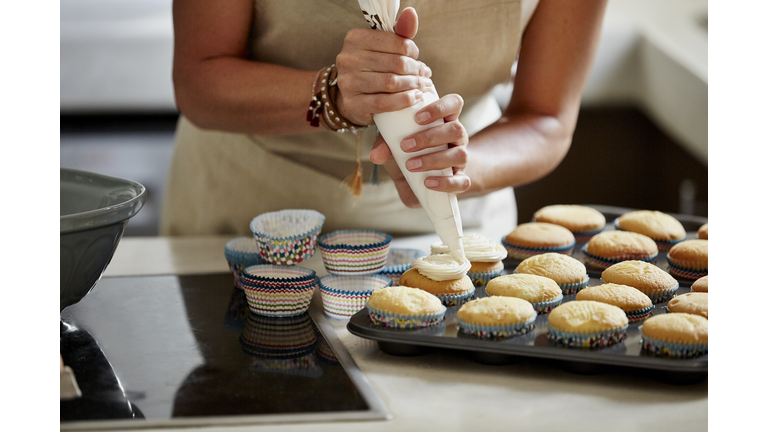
[(408, 23)]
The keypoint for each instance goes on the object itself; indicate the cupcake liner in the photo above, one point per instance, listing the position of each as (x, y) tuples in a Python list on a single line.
[(604, 263), (589, 340), (398, 262), (386, 319), (287, 237), (639, 315), (449, 300), (271, 337), (583, 236), (354, 251), (573, 288), (482, 279), (669, 349), (547, 306), (663, 245), (496, 332), (304, 366), (686, 273), (240, 253), (279, 291), (521, 253), (345, 295), (394, 272), (274, 276)]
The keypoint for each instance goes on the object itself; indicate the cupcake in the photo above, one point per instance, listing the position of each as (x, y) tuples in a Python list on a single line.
[(485, 257), (535, 238), (610, 247), (496, 317), (688, 259), (587, 324), (635, 304), (543, 293), (695, 303), (652, 281), (678, 335), (569, 273), (665, 230), (703, 232), (701, 284), (441, 275), (404, 307), (582, 221)]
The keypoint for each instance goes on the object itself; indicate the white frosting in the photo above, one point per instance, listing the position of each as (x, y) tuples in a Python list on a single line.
[(477, 248), (441, 267)]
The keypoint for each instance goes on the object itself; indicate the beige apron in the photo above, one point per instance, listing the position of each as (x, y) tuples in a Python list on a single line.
[(219, 181)]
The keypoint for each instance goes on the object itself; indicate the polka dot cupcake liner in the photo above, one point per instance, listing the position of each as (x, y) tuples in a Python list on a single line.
[(496, 332), (674, 350), (604, 263), (345, 295), (287, 237), (482, 279), (521, 253), (449, 300), (547, 306), (385, 319), (272, 337), (281, 291), (354, 251), (589, 340), (663, 245)]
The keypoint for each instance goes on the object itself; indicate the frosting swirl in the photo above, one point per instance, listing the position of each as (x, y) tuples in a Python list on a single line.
[(477, 248), (441, 267)]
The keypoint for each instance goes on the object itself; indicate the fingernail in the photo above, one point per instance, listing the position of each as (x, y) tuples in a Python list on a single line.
[(413, 164), (431, 183), (417, 96), (428, 71), (408, 144), (422, 117)]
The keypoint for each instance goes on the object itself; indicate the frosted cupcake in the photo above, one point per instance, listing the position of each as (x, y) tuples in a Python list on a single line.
[(652, 281), (441, 275), (496, 317), (536, 238), (543, 293), (611, 247), (484, 255), (587, 324), (582, 221), (678, 335), (635, 304), (568, 272), (689, 259), (664, 229), (404, 307)]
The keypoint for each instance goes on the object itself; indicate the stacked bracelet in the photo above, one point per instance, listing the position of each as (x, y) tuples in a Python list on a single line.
[(323, 104)]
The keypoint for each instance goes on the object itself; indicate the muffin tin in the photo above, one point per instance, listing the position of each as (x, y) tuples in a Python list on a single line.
[(535, 345)]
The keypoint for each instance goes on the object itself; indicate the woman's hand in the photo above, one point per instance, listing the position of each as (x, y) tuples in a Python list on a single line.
[(452, 132), (379, 71)]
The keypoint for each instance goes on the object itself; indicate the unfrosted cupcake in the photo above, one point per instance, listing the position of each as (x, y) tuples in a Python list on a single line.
[(484, 255), (664, 229), (611, 247), (703, 232), (441, 275), (635, 304), (701, 285), (496, 317), (535, 238), (404, 307), (568, 272), (582, 221), (543, 293), (678, 335), (689, 259), (587, 324), (652, 281), (696, 303)]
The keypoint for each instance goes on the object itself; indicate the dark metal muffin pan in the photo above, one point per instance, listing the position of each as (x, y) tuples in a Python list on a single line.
[(535, 345)]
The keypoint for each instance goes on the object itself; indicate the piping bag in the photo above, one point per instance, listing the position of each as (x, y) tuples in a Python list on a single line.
[(442, 208)]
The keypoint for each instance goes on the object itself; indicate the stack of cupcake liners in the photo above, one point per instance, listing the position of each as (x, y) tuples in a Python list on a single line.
[(240, 253), (345, 295), (287, 237), (354, 251), (278, 290)]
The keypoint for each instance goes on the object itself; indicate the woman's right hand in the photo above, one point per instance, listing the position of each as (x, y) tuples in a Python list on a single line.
[(379, 71)]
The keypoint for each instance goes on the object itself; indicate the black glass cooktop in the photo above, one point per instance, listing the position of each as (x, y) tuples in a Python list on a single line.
[(186, 350)]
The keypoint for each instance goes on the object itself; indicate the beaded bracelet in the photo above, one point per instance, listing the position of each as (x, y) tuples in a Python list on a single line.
[(323, 104)]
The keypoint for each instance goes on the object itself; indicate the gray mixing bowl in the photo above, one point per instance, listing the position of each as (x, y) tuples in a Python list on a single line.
[(94, 211)]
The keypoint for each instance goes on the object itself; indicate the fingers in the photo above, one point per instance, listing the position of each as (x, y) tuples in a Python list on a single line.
[(360, 39), (447, 107), (408, 23), (380, 152), (457, 183)]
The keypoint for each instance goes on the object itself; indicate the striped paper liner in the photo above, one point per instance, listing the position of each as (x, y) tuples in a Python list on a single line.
[(685, 272), (274, 276), (354, 251), (639, 315), (521, 252), (278, 337), (287, 237), (345, 295)]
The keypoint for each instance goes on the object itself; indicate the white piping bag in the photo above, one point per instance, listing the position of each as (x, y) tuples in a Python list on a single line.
[(442, 208)]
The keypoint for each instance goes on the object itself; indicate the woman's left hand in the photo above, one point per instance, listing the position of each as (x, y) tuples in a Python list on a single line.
[(456, 156)]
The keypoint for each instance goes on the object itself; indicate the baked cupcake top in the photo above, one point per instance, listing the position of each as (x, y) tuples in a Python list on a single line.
[(496, 311), (679, 328), (587, 316), (701, 284), (621, 244), (441, 267), (403, 300), (654, 224), (477, 248), (696, 251), (413, 278), (575, 218), (703, 232), (696, 303), (540, 235), (623, 296), (639, 274), (563, 269), (533, 288)]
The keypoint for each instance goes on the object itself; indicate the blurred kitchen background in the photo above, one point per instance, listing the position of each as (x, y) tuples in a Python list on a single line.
[(641, 139)]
